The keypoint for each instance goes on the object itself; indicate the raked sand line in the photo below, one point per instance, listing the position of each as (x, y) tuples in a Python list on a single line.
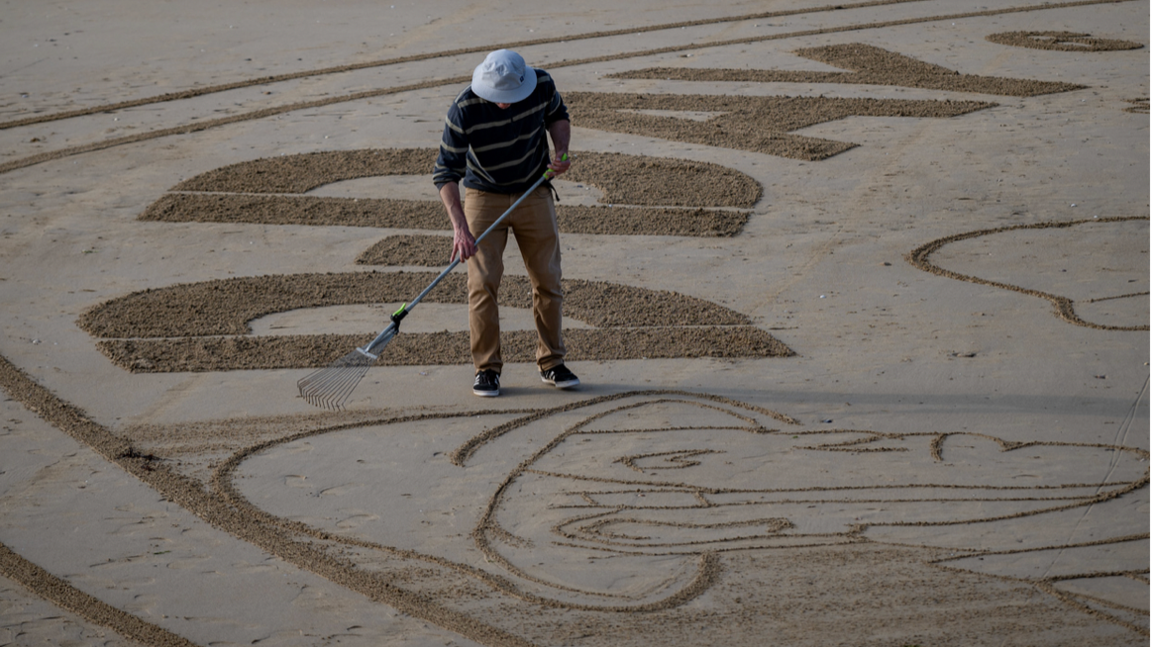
[(68, 597)]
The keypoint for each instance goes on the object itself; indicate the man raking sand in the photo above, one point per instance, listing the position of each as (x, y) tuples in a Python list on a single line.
[(494, 141), (500, 119)]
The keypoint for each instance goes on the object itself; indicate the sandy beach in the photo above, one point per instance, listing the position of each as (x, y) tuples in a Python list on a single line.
[(858, 295)]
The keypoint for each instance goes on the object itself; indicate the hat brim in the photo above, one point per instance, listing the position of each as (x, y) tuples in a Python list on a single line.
[(504, 96)]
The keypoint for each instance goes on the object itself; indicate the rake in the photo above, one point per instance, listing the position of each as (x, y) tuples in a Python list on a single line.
[(330, 387)]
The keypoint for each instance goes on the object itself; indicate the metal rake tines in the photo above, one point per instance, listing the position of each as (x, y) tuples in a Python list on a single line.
[(330, 387)]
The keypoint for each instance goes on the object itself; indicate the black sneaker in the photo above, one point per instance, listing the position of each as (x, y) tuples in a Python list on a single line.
[(487, 384), (560, 377)]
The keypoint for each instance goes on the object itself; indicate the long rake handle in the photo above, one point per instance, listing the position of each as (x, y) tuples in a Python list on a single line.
[(407, 307)]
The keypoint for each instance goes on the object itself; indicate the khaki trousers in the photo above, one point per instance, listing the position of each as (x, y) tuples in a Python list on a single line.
[(533, 223)]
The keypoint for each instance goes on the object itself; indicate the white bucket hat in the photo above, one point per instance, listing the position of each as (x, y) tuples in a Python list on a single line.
[(503, 77)]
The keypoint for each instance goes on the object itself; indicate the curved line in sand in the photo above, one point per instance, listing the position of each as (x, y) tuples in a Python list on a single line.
[(1064, 307), (1046, 584)]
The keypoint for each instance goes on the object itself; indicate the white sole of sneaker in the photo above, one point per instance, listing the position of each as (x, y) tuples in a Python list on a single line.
[(561, 385), (486, 394)]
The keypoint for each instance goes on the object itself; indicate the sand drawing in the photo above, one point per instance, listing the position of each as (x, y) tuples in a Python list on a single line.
[(267, 80), (636, 502), (639, 501), (470, 594), (240, 193), (1123, 277)]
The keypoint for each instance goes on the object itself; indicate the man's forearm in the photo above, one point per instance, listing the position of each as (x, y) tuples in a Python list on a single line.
[(463, 244), (561, 133), (450, 196)]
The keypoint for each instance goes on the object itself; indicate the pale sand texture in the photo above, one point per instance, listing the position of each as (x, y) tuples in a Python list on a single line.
[(858, 295)]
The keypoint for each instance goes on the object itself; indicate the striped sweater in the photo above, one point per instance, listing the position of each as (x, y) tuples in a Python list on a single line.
[(494, 149)]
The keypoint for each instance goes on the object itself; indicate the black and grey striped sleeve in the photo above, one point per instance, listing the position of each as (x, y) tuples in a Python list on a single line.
[(452, 162)]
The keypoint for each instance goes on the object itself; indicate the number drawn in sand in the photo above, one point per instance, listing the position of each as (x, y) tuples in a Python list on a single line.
[(642, 195), (205, 326)]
